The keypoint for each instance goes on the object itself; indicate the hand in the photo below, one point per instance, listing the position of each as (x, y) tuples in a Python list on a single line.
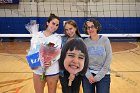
[(91, 79), (47, 64), (71, 77)]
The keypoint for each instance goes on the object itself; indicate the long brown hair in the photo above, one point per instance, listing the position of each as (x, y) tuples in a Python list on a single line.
[(73, 23), (51, 17)]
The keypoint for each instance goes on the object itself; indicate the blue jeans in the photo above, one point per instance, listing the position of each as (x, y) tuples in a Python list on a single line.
[(102, 86)]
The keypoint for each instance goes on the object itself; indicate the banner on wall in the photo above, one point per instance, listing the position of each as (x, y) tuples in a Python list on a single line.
[(9, 1)]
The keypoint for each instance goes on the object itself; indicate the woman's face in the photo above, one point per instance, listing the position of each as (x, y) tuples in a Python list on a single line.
[(70, 30), (91, 30), (53, 25), (74, 61)]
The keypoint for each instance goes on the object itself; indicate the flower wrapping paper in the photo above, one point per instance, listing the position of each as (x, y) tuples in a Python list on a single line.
[(46, 53), (32, 27)]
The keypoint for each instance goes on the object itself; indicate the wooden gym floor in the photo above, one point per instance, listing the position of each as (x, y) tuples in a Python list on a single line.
[(16, 76)]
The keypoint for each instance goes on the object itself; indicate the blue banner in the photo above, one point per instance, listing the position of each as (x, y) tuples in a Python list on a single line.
[(9, 1)]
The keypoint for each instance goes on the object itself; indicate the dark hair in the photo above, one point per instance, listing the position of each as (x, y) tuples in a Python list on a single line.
[(51, 17), (77, 44), (73, 23), (96, 24)]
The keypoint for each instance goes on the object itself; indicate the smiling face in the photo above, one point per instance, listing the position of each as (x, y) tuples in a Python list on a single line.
[(74, 61), (91, 29), (53, 25), (70, 30)]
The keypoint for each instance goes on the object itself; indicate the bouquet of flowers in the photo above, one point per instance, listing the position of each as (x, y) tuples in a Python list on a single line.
[(32, 27), (46, 54)]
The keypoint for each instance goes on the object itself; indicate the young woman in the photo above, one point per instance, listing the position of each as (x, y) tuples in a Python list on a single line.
[(52, 71), (70, 31), (73, 65), (97, 78)]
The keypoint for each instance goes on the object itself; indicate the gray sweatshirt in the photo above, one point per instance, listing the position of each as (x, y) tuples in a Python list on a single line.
[(100, 57)]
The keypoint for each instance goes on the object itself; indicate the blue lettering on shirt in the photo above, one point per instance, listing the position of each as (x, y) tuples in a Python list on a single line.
[(96, 50)]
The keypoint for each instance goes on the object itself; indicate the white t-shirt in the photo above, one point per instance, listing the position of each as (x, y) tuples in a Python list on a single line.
[(38, 39)]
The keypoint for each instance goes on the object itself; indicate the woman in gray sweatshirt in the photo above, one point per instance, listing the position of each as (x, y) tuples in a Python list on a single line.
[(97, 78)]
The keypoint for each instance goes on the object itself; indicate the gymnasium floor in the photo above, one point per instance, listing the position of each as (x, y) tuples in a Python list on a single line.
[(16, 76)]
